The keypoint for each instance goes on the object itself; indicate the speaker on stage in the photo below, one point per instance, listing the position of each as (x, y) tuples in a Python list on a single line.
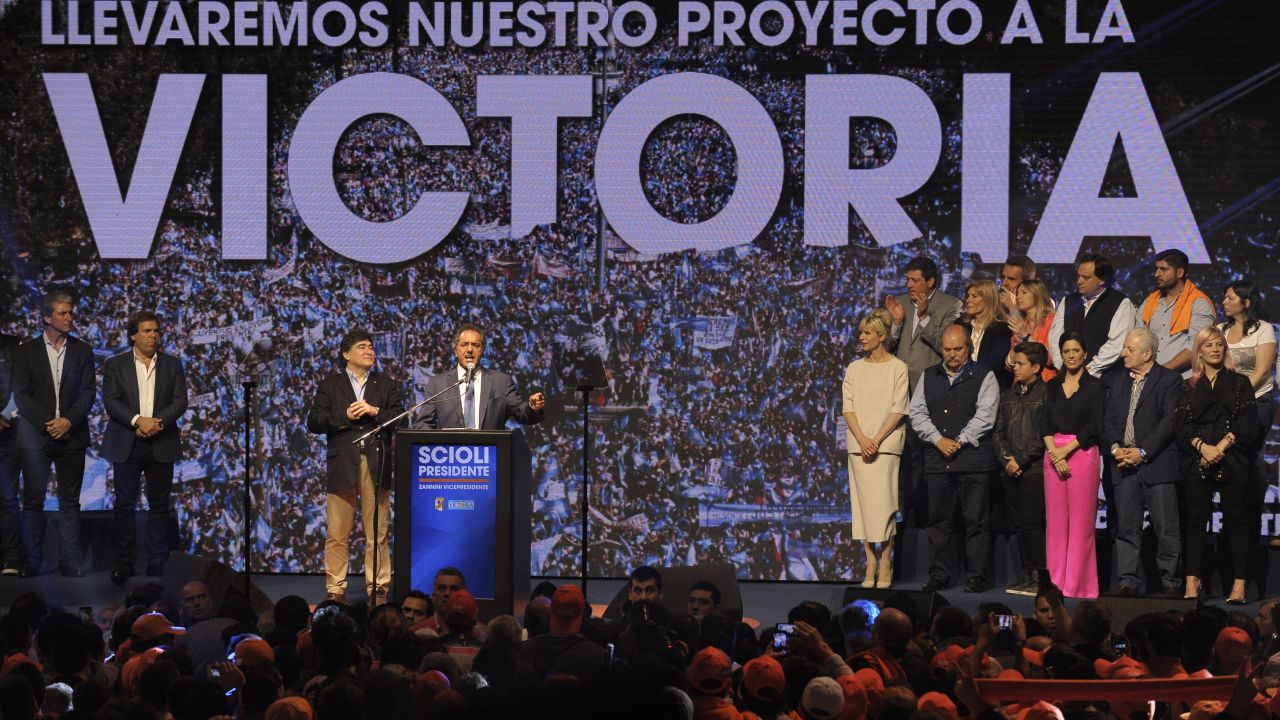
[(676, 582), (221, 580), (1124, 609), (928, 602)]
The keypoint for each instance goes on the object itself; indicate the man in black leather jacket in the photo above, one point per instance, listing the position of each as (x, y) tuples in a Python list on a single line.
[(1020, 451)]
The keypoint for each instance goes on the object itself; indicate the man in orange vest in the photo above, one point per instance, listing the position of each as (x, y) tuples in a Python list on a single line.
[(1175, 312)]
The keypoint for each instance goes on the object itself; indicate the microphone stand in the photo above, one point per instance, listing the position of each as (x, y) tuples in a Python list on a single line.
[(249, 384), (585, 388), (377, 478)]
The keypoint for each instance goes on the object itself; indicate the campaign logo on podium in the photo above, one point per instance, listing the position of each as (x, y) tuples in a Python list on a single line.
[(454, 511)]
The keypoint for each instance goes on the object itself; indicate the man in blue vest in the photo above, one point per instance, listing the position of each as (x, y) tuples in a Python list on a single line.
[(953, 410)]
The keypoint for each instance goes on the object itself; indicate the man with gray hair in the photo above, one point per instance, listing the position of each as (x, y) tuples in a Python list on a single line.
[(54, 386), (1138, 429)]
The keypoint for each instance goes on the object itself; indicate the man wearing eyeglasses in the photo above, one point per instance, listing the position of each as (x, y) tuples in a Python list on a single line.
[(485, 399)]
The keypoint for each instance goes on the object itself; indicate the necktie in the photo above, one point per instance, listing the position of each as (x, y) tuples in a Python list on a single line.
[(1129, 439), (469, 405)]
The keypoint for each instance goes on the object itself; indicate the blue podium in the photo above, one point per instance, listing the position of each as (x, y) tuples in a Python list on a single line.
[(463, 500)]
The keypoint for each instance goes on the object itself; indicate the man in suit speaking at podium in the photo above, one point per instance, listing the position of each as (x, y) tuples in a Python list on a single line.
[(484, 399)]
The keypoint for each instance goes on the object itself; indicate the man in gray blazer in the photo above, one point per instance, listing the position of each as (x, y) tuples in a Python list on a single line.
[(919, 317), (484, 399), (144, 392)]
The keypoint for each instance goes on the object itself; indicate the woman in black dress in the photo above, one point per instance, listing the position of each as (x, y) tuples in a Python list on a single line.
[(1218, 421)]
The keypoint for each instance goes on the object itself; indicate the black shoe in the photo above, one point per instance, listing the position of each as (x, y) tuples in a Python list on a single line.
[(975, 585), (1174, 591), (1026, 585), (934, 585), (120, 577), (1124, 591), (29, 571), (72, 571)]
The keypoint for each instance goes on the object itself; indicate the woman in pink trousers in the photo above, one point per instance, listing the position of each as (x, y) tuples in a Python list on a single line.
[(1072, 425)]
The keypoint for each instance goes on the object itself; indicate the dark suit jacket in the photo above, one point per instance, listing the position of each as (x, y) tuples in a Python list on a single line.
[(921, 351), (8, 347), (328, 416), (33, 391), (994, 350), (502, 400), (1153, 422), (120, 397)]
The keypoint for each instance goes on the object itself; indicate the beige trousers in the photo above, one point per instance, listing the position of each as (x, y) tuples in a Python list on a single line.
[(340, 516)]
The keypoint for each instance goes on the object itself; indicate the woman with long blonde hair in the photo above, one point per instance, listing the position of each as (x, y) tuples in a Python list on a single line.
[(984, 316), (1036, 317), (1218, 421)]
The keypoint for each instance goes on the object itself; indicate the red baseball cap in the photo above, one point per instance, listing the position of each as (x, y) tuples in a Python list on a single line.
[(763, 678), (939, 703), (153, 625), (291, 707), (1233, 645), (710, 672), (567, 608), (462, 603), (131, 673), (251, 651), (13, 661), (855, 698), (874, 685)]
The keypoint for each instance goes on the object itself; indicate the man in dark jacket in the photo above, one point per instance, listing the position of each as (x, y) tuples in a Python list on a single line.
[(564, 650), (1138, 428), (144, 392), (953, 410), (1020, 454), (348, 404), (53, 387)]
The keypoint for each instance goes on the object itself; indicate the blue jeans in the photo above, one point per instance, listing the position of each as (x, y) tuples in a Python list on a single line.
[(1132, 497)]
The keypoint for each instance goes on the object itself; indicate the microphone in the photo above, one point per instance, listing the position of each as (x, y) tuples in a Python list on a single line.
[(471, 373)]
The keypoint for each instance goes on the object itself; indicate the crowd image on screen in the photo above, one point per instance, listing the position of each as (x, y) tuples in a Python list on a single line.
[(707, 446)]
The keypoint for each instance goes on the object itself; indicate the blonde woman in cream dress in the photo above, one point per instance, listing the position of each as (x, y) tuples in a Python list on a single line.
[(875, 405)]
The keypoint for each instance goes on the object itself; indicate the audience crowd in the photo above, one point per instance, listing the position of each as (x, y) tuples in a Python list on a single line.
[(431, 655)]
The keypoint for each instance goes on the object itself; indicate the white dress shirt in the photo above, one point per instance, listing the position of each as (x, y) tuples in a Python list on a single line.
[(146, 387), (56, 358), (1107, 355)]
